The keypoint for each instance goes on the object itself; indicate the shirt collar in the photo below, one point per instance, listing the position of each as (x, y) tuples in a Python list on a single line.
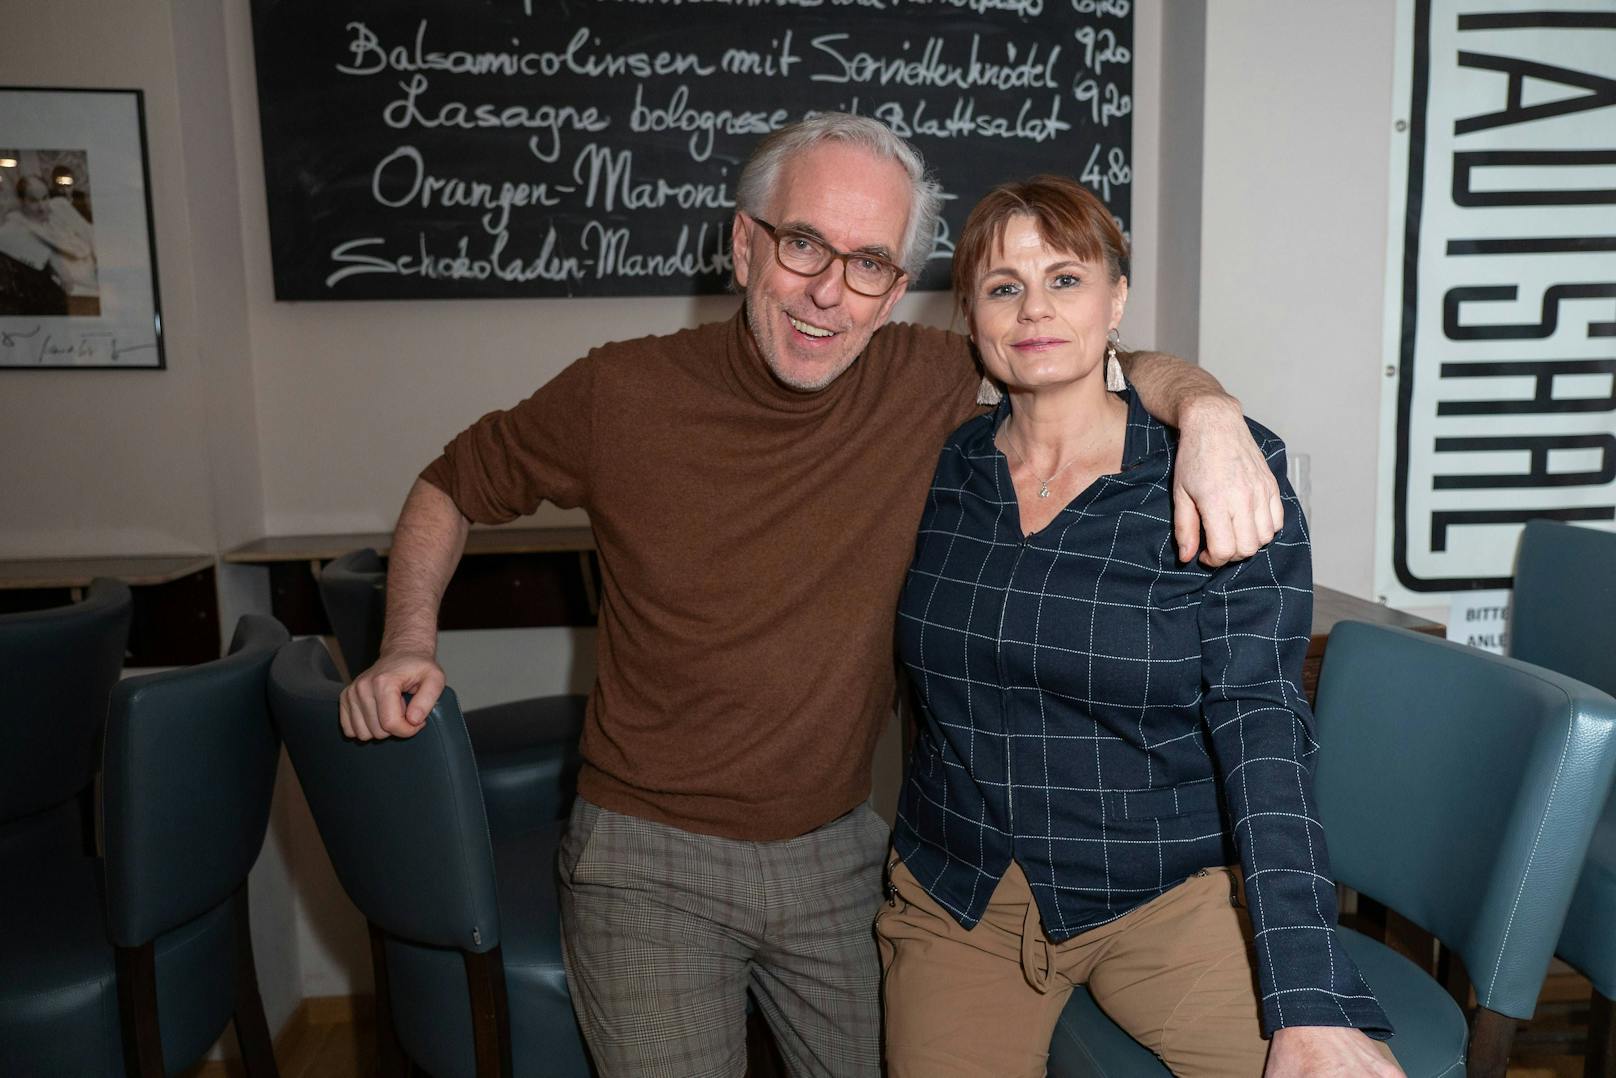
[(1136, 441)]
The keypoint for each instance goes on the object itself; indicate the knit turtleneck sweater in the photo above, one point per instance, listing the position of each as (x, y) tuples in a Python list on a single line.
[(752, 539)]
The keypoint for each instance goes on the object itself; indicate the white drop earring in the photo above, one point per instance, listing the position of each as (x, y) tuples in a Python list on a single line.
[(1114, 382)]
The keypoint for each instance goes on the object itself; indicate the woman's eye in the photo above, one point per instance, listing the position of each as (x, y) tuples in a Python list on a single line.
[(1001, 290), (1065, 280)]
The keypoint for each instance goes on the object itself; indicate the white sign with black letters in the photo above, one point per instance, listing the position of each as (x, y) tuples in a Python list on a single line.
[(1480, 619), (1499, 403)]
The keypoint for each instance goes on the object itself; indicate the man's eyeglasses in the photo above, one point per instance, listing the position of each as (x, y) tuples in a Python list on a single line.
[(807, 254)]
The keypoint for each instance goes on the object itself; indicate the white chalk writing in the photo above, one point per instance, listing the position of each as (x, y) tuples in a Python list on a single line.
[(559, 145)]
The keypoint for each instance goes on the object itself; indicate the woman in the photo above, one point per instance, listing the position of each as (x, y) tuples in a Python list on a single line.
[(1103, 727)]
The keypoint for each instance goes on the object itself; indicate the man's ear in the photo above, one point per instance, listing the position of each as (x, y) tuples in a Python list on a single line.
[(740, 247), (890, 300)]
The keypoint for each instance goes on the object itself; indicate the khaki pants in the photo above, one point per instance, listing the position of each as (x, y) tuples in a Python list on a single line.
[(1177, 973)]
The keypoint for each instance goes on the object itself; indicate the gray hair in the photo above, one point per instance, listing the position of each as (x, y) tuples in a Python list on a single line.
[(756, 186)]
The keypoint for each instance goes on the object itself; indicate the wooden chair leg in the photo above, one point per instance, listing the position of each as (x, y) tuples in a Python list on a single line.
[(137, 1011), (252, 1028), (1372, 918), (490, 1013), (1411, 941), (1491, 1037), (390, 1059), (1451, 972), (1601, 1059)]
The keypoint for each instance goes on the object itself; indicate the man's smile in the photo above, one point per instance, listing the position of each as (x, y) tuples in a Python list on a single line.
[(808, 329)]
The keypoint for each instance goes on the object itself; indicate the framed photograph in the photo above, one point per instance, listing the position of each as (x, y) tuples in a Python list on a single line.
[(78, 265)]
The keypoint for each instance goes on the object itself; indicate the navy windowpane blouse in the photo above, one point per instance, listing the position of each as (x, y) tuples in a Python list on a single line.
[(1114, 720)]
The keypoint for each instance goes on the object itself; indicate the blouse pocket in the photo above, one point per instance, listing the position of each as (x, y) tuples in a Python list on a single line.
[(1185, 799)]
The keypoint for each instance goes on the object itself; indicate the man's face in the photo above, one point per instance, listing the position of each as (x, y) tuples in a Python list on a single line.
[(811, 329), (34, 196)]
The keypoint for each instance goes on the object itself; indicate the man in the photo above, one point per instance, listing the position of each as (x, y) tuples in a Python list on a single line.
[(68, 243), (754, 487)]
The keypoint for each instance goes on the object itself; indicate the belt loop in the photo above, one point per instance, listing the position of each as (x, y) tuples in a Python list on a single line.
[(1033, 940)]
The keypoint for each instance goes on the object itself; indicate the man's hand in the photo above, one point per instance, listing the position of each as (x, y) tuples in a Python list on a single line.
[(427, 543), (1221, 484), (1328, 1052), (373, 706)]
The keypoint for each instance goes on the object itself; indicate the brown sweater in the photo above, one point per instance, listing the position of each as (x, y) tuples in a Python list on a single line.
[(753, 540)]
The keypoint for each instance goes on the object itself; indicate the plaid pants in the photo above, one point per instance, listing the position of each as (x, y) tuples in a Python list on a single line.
[(665, 931)]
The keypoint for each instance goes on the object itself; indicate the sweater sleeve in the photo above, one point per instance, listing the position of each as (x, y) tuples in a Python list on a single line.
[(502, 466), (1255, 620)]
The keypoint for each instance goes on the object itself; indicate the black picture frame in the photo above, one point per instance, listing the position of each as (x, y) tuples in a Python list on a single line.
[(78, 251)]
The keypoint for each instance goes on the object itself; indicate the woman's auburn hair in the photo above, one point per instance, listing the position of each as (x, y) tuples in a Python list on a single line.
[(1069, 217)]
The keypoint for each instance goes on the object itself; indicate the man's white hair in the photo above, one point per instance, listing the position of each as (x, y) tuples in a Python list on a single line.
[(755, 189)]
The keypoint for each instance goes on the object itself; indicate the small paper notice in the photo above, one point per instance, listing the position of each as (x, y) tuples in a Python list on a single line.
[(1480, 619)]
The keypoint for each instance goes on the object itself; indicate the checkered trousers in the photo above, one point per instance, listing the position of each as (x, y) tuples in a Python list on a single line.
[(665, 932), (1114, 720)]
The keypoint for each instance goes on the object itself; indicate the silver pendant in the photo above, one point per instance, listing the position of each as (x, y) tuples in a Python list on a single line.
[(1043, 491)]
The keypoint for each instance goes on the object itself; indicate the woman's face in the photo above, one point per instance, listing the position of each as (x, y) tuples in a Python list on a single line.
[(1039, 315)]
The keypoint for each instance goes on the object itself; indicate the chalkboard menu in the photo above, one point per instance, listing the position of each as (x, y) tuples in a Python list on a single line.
[(475, 148)]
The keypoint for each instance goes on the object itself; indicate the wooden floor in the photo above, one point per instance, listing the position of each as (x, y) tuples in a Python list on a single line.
[(327, 1037), (333, 1038), (1551, 1045)]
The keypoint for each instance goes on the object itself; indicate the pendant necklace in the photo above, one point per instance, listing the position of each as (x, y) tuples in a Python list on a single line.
[(1043, 484)]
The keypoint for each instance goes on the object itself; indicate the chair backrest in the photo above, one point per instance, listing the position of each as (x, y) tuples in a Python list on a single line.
[(402, 818), (1563, 615), (1461, 789), (57, 668), (353, 590), (188, 774)]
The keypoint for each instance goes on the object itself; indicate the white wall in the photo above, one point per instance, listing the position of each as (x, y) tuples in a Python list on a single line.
[(219, 279), (1178, 249), (113, 461), (287, 417), (341, 403), (1297, 146)]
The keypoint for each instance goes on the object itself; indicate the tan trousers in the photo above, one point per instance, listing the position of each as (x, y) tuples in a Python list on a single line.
[(1177, 973)]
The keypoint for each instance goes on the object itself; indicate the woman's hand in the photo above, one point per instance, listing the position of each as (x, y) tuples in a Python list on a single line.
[(1328, 1052)]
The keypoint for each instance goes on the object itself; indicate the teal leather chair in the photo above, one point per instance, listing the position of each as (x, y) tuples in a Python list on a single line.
[(466, 933), (527, 750), (57, 669), (1564, 617), (1461, 790), (133, 965)]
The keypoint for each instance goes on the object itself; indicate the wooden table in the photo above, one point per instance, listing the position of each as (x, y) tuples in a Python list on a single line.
[(479, 541), (175, 621), (508, 578)]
